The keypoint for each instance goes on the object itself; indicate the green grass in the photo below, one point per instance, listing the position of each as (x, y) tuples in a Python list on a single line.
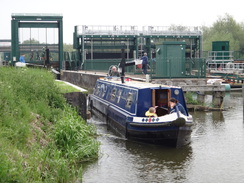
[(42, 138), (65, 88)]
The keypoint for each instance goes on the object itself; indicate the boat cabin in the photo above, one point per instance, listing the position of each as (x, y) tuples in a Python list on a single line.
[(135, 98)]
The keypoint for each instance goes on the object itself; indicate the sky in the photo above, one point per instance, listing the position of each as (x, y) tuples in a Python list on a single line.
[(124, 12)]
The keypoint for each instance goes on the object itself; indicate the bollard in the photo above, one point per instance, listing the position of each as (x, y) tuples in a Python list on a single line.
[(147, 78)]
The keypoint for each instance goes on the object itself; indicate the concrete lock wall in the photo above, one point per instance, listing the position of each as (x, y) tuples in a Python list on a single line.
[(78, 100), (83, 80)]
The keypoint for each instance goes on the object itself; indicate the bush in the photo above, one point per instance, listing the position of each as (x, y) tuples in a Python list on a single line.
[(190, 99), (42, 138)]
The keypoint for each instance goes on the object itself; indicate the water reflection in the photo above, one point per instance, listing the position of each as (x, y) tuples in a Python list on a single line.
[(214, 155), (126, 161), (217, 116), (156, 162)]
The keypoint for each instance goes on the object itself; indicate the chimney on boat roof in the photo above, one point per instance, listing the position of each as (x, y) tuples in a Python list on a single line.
[(122, 66)]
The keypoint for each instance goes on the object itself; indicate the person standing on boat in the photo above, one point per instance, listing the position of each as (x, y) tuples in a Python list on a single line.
[(114, 72), (144, 63), (151, 112), (175, 105)]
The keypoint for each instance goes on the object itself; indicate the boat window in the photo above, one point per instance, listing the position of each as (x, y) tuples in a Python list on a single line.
[(119, 95), (97, 90), (129, 100), (103, 90), (113, 94)]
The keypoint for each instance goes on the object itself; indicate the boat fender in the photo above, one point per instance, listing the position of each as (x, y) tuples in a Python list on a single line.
[(106, 113), (90, 105), (179, 122)]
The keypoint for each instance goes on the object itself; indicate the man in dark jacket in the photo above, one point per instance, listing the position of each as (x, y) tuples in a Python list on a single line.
[(144, 63)]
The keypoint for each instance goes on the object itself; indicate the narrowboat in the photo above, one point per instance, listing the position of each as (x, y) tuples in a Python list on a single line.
[(123, 106)]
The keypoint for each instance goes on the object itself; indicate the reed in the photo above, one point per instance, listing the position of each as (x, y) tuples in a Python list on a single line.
[(190, 99), (42, 138)]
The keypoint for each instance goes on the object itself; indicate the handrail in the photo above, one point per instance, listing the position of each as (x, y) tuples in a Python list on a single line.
[(220, 55), (134, 30)]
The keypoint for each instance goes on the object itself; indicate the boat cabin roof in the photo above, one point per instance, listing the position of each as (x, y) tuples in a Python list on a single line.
[(136, 97), (138, 84)]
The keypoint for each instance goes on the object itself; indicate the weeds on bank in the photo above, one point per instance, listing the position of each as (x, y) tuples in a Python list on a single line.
[(42, 139), (190, 100)]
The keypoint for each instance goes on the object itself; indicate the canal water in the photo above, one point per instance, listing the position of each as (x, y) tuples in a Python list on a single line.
[(216, 152)]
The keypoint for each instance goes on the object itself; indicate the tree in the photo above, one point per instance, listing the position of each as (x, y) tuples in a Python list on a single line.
[(224, 29), (68, 47), (31, 41)]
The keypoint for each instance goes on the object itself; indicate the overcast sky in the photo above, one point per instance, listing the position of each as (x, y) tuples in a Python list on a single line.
[(123, 12)]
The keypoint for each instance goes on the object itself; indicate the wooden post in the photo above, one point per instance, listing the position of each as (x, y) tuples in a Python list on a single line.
[(201, 97), (218, 99), (201, 93)]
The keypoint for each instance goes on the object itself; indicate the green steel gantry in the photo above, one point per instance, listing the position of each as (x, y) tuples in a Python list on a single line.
[(98, 47), (29, 20)]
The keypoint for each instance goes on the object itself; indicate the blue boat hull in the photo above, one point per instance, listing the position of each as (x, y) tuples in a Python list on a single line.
[(167, 135), (159, 134), (123, 108)]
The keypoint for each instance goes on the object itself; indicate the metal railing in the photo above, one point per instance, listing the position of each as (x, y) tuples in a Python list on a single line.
[(169, 30), (134, 30), (230, 67), (220, 56), (107, 30)]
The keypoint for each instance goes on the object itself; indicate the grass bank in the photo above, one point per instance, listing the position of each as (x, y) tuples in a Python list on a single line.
[(42, 138)]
